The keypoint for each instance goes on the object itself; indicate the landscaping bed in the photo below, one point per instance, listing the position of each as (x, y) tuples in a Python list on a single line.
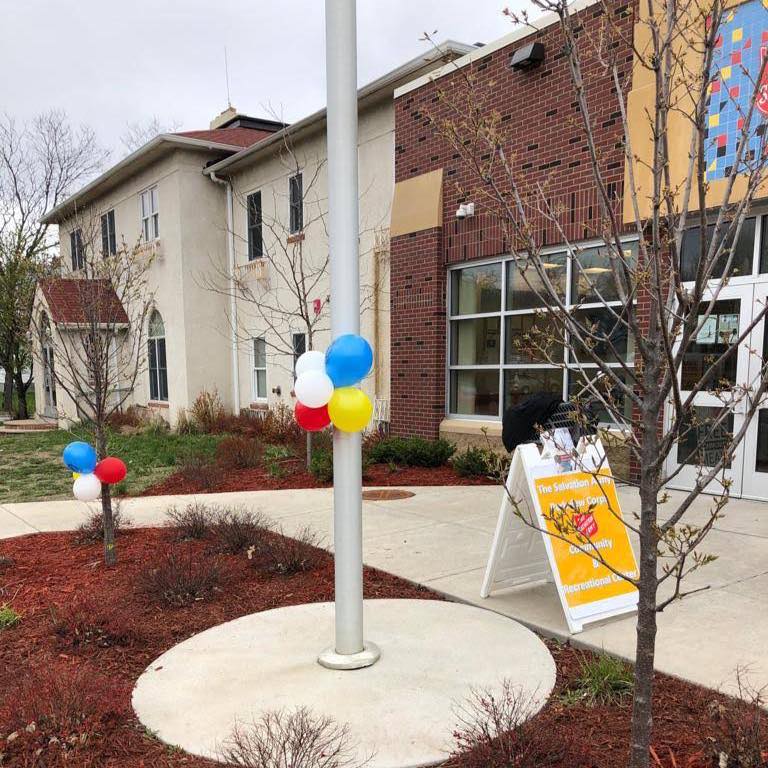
[(85, 633)]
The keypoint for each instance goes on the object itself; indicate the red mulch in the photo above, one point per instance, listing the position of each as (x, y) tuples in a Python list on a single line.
[(52, 582), (294, 475)]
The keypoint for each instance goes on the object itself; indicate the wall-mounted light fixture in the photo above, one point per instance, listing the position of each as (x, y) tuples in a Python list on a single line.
[(528, 56), (465, 210)]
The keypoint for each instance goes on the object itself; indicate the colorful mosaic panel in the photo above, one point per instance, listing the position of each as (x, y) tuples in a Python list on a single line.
[(741, 45)]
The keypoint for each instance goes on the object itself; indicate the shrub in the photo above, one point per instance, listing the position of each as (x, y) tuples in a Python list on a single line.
[(237, 529), (92, 530), (130, 417), (180, 579), (602, 680), (86, 621), (185, 425), (239, 452), (411, 451), (321, 465), (297, 739), (277, 553), (494, 730), (474, 462), (741, 729), (195, 521), (278, 425), (207, 412), (8, 617), (198, 469), (276, 458)]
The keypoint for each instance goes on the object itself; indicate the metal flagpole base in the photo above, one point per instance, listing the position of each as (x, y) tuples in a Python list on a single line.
[(330, 659)]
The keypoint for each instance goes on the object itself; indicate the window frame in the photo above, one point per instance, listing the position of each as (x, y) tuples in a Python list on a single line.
[(76, 249), (256, 397), (154, 343), (108, 233), (567, 370), (254, 226), (297, 354), (150, 213), (296, 206)]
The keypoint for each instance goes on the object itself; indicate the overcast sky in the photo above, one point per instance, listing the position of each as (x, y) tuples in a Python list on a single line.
[(113, 62)]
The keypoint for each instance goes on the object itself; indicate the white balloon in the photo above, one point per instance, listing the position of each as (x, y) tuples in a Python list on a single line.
[(310, 361), (87, 487), (313, 389)]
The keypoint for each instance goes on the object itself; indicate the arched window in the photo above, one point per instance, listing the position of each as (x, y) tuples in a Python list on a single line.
[(158, 372)]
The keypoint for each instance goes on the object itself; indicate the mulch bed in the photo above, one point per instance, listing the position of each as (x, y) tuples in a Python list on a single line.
[(294, 475), (45, 665)]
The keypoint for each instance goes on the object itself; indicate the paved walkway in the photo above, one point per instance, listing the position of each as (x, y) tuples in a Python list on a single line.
[(440, 537)]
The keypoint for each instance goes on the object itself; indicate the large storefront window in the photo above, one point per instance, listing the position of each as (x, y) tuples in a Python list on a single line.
[(504, 347)]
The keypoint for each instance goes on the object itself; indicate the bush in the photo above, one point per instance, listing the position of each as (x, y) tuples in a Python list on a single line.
[(310, 741), (92, 530), (239, 452), (181, 578), (411, 451), (602, 680), (237, 529), (8, 617), (198, 469), (130, 417), (494, 730), (86, 621), (207, 412), (321, 465), (476, 462), (278, 425), (195, 521), (277, 553)]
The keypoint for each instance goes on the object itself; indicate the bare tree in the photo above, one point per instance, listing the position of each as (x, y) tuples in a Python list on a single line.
[(137, 134), (41, 162), (654, 304), (100, 352)]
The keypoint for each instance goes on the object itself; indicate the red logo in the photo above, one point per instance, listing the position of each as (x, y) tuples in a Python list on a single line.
[(761, 103), (585, 524)]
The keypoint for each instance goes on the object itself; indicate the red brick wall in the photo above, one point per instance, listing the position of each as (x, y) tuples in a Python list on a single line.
[(547, 145)]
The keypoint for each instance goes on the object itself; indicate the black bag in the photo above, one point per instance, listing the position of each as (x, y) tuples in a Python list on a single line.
[(519, 423)]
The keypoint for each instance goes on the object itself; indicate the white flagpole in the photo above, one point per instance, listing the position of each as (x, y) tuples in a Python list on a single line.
[(350, 651)]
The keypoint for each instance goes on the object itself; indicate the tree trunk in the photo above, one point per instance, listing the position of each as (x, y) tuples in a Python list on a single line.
[(110, 553), (21, 391), (8, 391), (645, 648)]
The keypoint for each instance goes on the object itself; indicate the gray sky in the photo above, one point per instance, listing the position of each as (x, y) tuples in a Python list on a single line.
[(108, 63)]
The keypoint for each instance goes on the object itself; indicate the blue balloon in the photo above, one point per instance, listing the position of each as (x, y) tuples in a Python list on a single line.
[(348, 360), (80, 457)]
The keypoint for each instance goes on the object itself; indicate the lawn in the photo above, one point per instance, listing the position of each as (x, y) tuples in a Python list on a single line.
[(31, 467)]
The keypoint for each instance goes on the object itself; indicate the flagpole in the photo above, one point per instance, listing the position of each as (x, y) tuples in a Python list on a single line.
[(350, 651)]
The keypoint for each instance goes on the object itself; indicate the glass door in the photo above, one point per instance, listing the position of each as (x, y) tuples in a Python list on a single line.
[(705, 438), (755, 447)]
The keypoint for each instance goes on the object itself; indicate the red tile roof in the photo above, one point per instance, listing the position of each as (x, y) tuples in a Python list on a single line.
[(82, 301), (236, 137)]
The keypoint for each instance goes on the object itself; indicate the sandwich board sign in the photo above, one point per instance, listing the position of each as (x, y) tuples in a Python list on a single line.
[(549, 490)]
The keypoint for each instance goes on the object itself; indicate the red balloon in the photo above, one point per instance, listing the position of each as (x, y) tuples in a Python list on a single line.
[(111, 470), (312, 419)]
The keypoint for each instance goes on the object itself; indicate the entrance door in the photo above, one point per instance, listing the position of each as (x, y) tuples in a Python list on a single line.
[(702, 446), (49, 382)]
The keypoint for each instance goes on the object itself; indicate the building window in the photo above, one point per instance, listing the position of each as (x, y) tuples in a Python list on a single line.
[(76, 249), (150, 218), (108, 236), (742, 257), (296, 197), (502, 347), (158, 370), (299, 348), (255, 239), (259, 369)]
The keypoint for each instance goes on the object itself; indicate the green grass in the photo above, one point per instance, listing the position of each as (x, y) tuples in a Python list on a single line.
[(8, 617), (31, 468), (602, 680)]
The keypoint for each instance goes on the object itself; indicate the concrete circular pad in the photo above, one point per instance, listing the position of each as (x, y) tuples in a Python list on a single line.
[(402, 710)]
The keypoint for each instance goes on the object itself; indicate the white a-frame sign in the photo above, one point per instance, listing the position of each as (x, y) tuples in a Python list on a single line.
[(522, 553)]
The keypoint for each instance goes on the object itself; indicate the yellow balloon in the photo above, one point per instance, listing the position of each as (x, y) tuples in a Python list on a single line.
[(75, 475), (350, 409)]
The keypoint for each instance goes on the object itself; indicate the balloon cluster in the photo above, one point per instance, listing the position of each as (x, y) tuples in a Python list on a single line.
[(325, 386), (89, 473)]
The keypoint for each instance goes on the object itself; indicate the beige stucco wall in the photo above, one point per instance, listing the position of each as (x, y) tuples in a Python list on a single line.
[(192, 239), (270, 174)]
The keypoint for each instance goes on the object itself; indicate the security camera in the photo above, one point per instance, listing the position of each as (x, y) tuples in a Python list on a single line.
[(461, 212)]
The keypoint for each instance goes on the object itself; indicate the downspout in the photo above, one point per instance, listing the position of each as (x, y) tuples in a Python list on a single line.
[(232, 288)]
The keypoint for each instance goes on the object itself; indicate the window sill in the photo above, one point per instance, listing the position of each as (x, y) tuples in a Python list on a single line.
[(471, 426), (258, 405), (157, 404), (295, 238)]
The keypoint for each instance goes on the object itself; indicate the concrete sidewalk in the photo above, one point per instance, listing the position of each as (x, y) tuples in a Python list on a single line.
[(441, 536)]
